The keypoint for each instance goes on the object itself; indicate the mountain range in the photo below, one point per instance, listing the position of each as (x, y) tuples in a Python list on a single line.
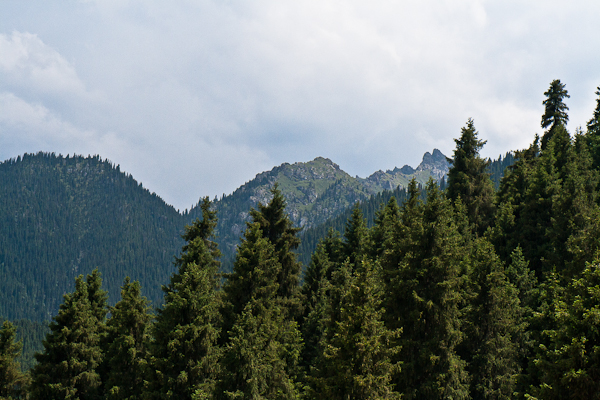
[(64, 216)]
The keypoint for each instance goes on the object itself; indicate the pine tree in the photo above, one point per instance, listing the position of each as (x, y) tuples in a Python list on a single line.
[(13, 383), (555, 113), (356, 362), (184, 351), (469, 180), (67, 368), (125, 344)]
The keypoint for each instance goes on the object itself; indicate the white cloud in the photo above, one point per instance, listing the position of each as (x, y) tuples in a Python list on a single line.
[(27, 62), (196, 97)]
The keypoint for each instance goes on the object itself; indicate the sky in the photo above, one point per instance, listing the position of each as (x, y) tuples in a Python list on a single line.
[(194, 98)]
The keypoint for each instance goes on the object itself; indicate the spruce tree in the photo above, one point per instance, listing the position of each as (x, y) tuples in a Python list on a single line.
[(13, 383), (67, 367), (184, 352), (355, 236), (277, 227), (357, 349), (429, 293), (555, 113), (263, 345), (469, 180), (496, 323), (569, 359), (593, 133), (125, 344)]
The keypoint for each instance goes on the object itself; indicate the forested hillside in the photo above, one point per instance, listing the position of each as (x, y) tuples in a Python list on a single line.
[(62, 216), (457, 291)]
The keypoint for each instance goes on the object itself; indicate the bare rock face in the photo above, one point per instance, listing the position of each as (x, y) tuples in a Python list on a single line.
[(437, 164)]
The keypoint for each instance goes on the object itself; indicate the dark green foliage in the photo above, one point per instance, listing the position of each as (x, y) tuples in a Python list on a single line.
[(496, 326), (569, 356), (263, 343), (555, 113), (357, 348), (469, 180), (592, 135), (277, 227), (13, 382), (67, 368), (184, 352), (124, 345), (429, 287), (355, 243), (62, 216)]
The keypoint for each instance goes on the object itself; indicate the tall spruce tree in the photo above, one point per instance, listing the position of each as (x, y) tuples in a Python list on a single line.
[(277, 227), (263, 345), (593, 133), (469, 180), (125, 344), (569, 358), (67, 367), (356, 240), (357, 349), (555, 112), (184, 351), (430, 287), (13, 383), (496, 324)]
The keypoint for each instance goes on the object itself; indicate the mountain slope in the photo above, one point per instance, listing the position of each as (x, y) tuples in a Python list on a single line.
[(64, 216)]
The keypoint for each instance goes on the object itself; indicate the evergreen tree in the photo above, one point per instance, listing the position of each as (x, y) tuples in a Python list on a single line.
[(555, 113), (593, 133), (262, 351), (13, 383), (356, 362), (469, 180), (496, 323), (184, 351), (355, 236), (277, 227), (569, 360), (67, 368), (125, 352), (430, 284)]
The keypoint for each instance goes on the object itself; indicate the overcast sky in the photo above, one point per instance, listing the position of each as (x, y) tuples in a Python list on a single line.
[(194, 98)]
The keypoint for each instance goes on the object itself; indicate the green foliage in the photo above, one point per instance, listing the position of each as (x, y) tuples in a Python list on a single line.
[(496, 325), (263, 344), (429, 295), (555, 113), (13, 382), (62, 216), (184, 353), (125, 344), (469, 180), (67, 368), (569, 358), (357, 348)]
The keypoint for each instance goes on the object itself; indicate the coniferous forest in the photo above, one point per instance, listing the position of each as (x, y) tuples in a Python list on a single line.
[(461, 290)]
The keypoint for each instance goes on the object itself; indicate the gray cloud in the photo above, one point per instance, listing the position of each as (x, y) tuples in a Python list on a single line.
[(197, 97)]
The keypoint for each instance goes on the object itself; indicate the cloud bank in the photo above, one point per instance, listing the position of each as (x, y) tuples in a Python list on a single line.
[(196, 98)]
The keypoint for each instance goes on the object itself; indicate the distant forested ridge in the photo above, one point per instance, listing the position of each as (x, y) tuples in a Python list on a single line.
[(65, 215), (62, 216)]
